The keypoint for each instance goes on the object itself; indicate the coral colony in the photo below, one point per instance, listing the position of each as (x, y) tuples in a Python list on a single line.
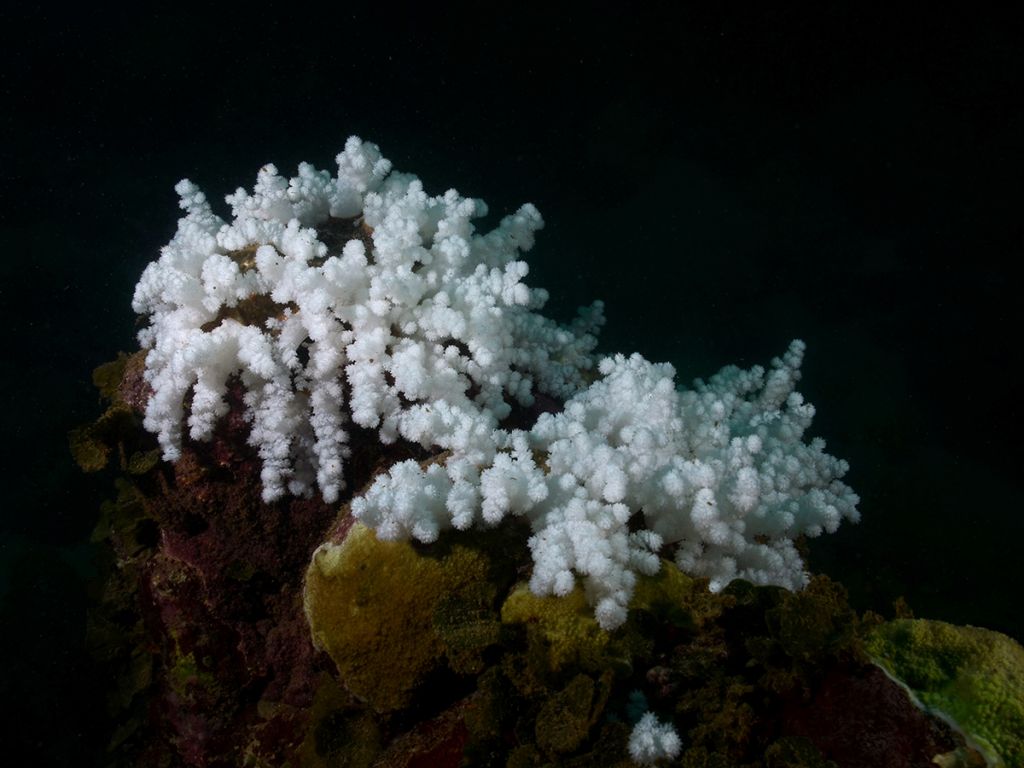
[(361, 300)]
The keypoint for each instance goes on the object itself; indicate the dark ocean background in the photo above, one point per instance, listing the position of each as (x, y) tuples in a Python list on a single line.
[(725, 182)]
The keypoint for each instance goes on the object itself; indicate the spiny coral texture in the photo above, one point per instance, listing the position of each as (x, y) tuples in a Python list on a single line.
[(652, 740), (417, 326), (422, 329), (719, 472)]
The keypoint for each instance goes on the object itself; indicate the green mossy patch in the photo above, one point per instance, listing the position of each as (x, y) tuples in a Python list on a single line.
[(972, 677)]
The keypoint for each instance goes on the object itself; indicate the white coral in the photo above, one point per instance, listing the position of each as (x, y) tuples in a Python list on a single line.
[(652, 740), (719, 473), (429, 334), (360, 298)]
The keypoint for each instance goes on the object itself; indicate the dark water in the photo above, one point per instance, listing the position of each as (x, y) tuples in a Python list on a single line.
[(725, 184)]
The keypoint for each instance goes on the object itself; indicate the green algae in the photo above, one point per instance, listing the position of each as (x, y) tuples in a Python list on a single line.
[(972, 677)]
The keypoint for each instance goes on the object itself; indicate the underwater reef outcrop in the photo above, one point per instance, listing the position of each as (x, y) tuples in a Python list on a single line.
[(374, 509), (234, 639)]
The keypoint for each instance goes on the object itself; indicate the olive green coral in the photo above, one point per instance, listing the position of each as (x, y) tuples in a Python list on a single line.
[(972, 677), (388, 615)]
